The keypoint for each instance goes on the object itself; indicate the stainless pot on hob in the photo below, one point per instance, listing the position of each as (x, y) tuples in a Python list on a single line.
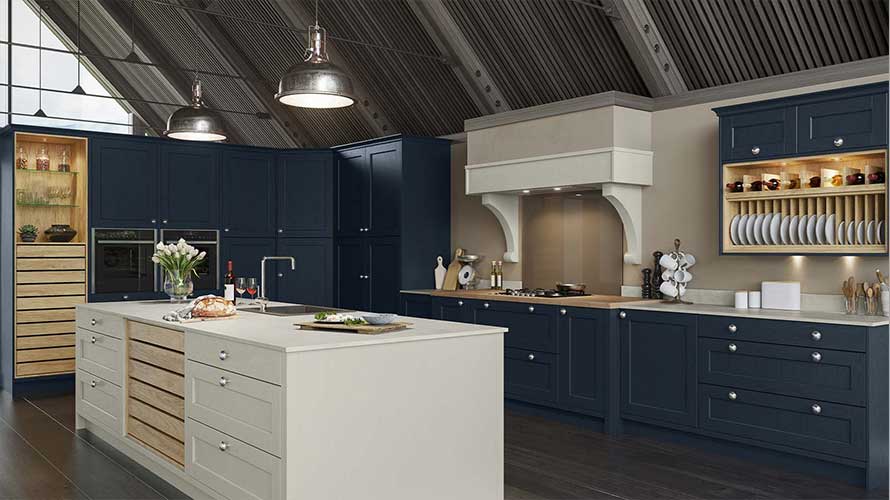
[(571, 287)]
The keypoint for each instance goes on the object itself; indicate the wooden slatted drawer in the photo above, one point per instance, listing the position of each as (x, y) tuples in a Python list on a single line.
[(40, 341), (56, 250), (231, 467), (252, 361), (166, 423), (46, 354), (100, 322), (44, 368), (78, 264), (49, 289), (100, 355), (151, 375), (27, 277), (156, 335), (167, 447), (245, 408), (158, 398), (98, 400), (54, 328), (158, 356), (49, 302), (42, 315)]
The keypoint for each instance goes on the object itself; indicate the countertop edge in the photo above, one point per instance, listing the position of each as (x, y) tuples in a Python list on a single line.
[(763, 314)]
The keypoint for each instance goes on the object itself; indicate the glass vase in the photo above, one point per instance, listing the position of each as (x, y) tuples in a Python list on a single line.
[(178, 285)]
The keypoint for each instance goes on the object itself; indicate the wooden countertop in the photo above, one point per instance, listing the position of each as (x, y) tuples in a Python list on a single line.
[(590, 301)]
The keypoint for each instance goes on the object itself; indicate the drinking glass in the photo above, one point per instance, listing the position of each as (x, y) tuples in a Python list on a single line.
[(251, 288), (241, 286)]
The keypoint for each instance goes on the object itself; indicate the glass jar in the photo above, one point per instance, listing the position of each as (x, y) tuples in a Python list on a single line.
[(42, 160), (178, 285), (64, 165), (21, 160)]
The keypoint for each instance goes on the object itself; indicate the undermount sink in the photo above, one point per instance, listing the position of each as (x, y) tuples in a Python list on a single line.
[(292, 310)]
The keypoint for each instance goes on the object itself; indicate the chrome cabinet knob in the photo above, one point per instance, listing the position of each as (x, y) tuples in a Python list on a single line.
[(126, 297), (281, 275), (531, 356), (460, 302), (816, 408), (280, 230), (223, 381), (839, 142), (226, 230), (92, 383), (732, 328), (531, 309), (485, 305), (164, 221), (93, 322), (223, 446), (732, 395), (816, 335), (92, 340), (733, 348), (622, 315), (817, 356), (755, 151), (223, 355), (154, 221), (563, 312)]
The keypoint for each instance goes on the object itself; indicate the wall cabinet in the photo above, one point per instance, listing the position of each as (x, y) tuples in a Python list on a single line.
[(189, 187), (759, 134), (248, 207), (123, 183), (583, 359), (305, 194), (658, 374), (856, 122), (369, 190)]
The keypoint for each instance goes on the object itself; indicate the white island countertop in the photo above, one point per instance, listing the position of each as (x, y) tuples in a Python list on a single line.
[(280, 332)]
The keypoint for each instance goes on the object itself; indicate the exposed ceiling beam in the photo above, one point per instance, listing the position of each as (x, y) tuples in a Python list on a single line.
[(296, 15), (451, 42), (646, 46)]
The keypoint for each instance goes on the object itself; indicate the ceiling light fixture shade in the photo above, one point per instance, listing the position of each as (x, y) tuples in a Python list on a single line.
[(195, 122), (316, 82)]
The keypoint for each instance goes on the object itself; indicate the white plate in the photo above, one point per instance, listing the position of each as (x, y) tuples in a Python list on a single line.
[(870, 232), (783, 230), (742, 230), (774, 229), (765, 233), (757, 229), (820, 229), (802, 230), (860, 233), (734, 229), (841, 233), (792, 230), (851, 232), (811, 230), (880, 232), (830, 227)]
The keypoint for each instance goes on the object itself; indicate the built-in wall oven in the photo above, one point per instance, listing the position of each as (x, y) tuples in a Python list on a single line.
[(121, 261), (204, 241)]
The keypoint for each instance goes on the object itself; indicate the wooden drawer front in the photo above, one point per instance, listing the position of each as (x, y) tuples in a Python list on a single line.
[(48, 290), (50, 264), (159, 420), (158, 356), (45, 354), (54, 328), (781, 420), (837, 376), (41, 341), (36, 250), (242, 407), (95, 321), (167, 447), (100, 355), (30, 277), (151, 375), (156, 335), (98, 400), (531, 326), (230, 467), (815, 335), (530, 376), (158, 398), (39, 368), (45, 315), (49, 302), (257, 362)]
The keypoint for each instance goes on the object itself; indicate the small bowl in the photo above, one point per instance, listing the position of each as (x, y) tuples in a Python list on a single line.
[(379, 319)]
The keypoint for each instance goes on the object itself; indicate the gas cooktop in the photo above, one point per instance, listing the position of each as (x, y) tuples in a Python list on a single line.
[(549, 293)]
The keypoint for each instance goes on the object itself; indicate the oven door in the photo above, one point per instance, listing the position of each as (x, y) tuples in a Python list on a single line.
[(123, 267)]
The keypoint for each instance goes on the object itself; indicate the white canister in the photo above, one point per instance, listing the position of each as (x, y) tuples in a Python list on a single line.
[(754, 300), (741, 300), (885, 302)]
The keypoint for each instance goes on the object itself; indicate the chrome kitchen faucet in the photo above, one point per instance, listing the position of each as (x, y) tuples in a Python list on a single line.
[(262, 299)]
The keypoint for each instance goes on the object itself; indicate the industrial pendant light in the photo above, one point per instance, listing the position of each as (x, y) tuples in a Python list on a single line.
[(195, 122), (315, 82)]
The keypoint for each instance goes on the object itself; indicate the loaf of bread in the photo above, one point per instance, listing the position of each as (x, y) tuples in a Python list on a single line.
[(212, 307)]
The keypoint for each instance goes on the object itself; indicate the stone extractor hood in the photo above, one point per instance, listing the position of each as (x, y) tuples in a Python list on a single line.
[(620, 172)]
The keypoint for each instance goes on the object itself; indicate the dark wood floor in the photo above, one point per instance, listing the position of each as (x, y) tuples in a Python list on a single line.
[(41, 457)]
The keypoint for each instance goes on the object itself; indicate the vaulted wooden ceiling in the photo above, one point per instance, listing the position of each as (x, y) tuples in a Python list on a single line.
[(425, 66)]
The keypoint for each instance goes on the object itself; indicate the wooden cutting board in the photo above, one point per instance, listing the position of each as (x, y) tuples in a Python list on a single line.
[(364, 329), (453, 271), (198, 320)]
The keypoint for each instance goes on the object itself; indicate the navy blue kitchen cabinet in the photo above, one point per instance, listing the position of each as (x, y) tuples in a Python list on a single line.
[(416, 305), (531, 377), (312, 282), (305, 193), (533, 327), (452, 309), (349, 259), (658, 367), (856, 122), (248, 207), (368, 278), (123, 187), (351, 193), (246, 254), (189, 186), (384, 177), (583, 359), (759, 134)]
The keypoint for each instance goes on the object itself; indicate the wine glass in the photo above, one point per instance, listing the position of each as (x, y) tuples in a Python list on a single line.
[(241, 286), (251, 288)]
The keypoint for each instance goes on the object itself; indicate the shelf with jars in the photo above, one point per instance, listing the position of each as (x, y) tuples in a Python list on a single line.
[(828, 204)]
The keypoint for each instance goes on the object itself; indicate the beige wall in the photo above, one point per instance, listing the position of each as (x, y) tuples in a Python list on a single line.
[(682, 202)]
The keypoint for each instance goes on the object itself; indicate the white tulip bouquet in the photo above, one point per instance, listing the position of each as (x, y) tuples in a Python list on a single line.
[(178, 262)]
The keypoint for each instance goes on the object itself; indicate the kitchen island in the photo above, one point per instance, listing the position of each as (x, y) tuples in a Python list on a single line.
[(254, 408)]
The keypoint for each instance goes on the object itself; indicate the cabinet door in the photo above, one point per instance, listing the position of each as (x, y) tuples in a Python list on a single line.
[(351, 269), (245, 254), (843, 124), (582, 360), (312, 282), (383, 258), (658, 366), (416, 305), (123, 183), (352, 198), (532, 326), (189, 187), (758, 134), (305, 194), (458, 310), (385, 178), (530, 376), (247, 202)]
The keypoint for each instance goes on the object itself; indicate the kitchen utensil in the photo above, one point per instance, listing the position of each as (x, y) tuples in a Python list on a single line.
[(687, 260), (468, 258), (571, 287), (871, 306), (802, 230), (783, 230), (792, 230), (820, 229), (742, 228), (741, 299), (885, 302), (682, 276), (379, 319), (466, 275), (668, 289), (439, 273), (780, 295), (364, 329), (830, 227), (734, 230), (669, 262), (450, 282)]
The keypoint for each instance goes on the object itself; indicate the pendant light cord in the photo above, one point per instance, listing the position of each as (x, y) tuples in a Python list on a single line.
[(316, 14), (39, 57)]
